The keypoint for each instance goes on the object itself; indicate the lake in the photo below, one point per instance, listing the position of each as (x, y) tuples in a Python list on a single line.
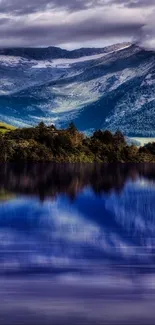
[(77, 244)]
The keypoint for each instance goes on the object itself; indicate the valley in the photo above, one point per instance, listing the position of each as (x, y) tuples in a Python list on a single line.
[(110, 88)]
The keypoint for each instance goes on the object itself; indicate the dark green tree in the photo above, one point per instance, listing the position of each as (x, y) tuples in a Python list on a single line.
[(72, 128)]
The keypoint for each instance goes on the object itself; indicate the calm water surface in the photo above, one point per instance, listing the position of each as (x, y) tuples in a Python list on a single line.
[(77, 244)]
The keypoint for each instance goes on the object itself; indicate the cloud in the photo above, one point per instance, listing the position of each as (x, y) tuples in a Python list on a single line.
[(133, 3), (55, 22), (92, 27), (22, 7), (146, 36)]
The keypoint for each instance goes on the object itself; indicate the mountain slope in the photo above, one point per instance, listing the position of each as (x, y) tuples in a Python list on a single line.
[(109, 88), (56, 52), (6, 127)]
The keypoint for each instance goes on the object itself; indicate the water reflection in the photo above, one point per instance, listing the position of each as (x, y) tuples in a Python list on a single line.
[(45, 180), (75, 242)]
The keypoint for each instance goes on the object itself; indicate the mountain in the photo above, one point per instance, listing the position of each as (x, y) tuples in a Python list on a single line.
[(111, 87), (50, 53)]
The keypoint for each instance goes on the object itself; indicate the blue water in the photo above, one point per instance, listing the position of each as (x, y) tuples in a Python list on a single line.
[(77, 244)]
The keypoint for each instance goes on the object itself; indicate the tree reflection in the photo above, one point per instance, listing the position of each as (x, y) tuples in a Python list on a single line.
[(49, 180)]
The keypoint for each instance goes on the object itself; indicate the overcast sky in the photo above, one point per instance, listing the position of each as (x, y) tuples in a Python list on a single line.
[(76, 23)]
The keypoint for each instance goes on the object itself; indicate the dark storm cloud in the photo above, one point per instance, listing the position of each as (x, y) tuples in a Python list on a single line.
[(64, 33), (22, 7), (5, 21), (54, 22)]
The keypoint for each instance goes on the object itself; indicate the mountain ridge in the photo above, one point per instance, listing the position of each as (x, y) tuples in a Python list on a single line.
[(53, 52)]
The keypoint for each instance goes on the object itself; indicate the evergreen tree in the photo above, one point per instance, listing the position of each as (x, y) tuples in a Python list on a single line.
[(72, 128)]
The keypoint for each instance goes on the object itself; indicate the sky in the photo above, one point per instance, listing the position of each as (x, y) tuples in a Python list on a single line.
[(76, 23)]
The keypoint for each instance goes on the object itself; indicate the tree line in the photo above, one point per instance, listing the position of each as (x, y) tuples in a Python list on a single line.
[(47, 143)]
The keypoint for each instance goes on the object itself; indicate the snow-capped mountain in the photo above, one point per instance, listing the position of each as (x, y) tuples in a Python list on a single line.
[(110, 88)]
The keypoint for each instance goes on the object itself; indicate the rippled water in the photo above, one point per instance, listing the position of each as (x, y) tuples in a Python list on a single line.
[(77, 244)]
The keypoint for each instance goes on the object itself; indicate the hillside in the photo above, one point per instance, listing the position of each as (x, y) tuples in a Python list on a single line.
[(46, 143), (107, 88), (4, 127)]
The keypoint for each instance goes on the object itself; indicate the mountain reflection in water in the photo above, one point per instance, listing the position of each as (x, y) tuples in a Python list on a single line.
[(77, 244)]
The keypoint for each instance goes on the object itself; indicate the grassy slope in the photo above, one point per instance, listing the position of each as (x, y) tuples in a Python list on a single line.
[(6, 127)]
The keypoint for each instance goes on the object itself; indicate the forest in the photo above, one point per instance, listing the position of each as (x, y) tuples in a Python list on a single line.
[(49, 144)]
